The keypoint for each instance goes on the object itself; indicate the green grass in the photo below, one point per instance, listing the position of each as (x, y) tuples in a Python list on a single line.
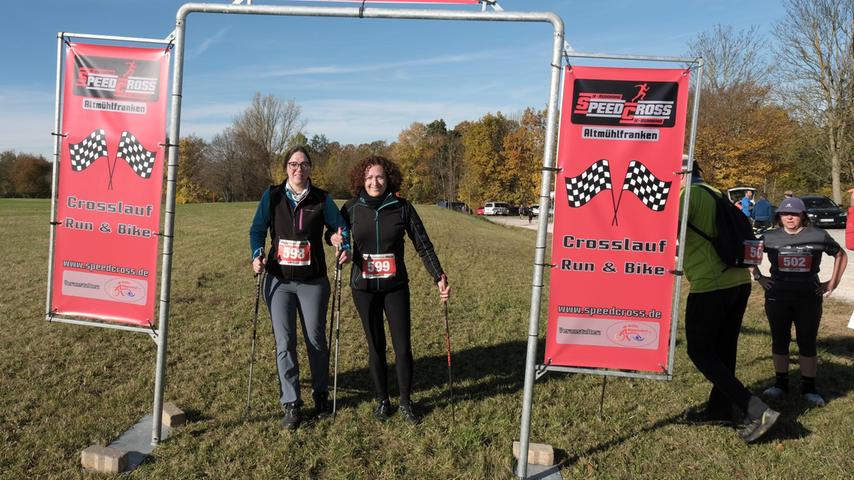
[(64, 387)]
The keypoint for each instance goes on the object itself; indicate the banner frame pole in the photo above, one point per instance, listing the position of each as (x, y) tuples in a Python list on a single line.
[(54, 176), (168, 229), (539, 255), (87, 323), (93, 36), (680, 255)]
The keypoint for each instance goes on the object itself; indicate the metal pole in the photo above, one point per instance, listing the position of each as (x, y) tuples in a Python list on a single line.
[(54, 176), (169, 229), (540, 255), (684, 222)]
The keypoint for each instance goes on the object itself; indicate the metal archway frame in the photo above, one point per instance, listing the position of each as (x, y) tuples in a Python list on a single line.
[(373, 13)]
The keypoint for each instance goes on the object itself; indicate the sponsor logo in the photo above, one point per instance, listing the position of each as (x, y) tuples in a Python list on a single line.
[(116, 78), (124, 289), (630, 334), (624, 103)]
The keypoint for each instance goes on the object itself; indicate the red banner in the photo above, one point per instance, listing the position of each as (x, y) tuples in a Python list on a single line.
[(110, 182), (616, 207)]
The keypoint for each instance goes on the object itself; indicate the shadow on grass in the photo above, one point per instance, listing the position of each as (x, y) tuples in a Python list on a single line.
[(478, 372)]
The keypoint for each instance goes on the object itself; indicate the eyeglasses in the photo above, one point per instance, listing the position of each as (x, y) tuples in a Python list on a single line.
[(300, 165), (789, 214)]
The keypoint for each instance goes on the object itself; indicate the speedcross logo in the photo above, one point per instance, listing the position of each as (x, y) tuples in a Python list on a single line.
[(624, 103), (116, 78)]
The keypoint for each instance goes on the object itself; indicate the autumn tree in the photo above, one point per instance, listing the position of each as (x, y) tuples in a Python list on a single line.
[(27, 175), (741, 134), (271, 123), (192, 164), (486, 174), (816, 56), (7, 158), (523, 148)]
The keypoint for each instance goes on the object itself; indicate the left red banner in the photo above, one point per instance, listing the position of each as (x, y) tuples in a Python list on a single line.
[(110, 183)]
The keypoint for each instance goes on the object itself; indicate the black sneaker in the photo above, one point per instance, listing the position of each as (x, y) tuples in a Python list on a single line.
[(382, 410), (702, 416), (322, 405), (292, 419), (408, 414)]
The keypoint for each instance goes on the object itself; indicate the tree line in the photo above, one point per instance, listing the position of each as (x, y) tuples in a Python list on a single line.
[(773, 115)]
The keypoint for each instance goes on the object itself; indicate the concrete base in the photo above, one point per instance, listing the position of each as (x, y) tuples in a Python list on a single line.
[(172, 415), (541, 472), (102, 459), (538, 453), (137, 441)]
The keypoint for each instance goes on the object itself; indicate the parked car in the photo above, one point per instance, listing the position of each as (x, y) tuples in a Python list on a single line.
[(535, 210), (824, 212), (457, 206), (496, 208), (478, 211), (737, 193)]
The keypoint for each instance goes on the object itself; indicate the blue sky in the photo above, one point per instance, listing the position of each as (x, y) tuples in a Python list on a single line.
[(357, 80)]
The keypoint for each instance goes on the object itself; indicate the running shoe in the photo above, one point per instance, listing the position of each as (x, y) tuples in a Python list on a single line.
[(408, 414), (774, 392), (292, 417), (814, 400), (756, 427)]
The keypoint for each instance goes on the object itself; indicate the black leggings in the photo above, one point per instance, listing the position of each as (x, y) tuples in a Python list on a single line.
[(804, 313), (395, 304)]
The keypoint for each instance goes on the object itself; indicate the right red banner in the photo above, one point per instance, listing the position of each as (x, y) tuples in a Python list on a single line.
[(622, 132)]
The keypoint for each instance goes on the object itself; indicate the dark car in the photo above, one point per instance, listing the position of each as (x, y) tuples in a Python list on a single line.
[(824, 212), (457, 206)]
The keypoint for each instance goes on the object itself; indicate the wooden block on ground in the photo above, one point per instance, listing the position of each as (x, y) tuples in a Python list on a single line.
[(172, 415), (102, 459), (538, 453)]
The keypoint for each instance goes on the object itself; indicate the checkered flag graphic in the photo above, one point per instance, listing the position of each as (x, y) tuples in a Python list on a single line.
[(91, 148), (651, 191), (581, 189), (140, 159)]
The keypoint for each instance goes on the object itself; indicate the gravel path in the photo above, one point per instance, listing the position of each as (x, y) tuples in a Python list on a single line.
[(844, 292)]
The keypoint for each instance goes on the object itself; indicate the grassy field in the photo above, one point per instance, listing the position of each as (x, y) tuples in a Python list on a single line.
[(65, 387)]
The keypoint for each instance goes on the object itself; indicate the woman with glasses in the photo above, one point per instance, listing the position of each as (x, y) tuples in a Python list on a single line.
[(793, 293), (295, 213), (379, 220)]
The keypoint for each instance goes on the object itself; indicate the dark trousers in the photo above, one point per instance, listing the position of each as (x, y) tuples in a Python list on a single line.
[(712, 325), (395, 304)]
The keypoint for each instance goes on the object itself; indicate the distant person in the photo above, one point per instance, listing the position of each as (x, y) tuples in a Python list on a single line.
[(530, 214), (713, 316), (793, 293), (762, 212), (747, 203), (379, 221), (295, 214)]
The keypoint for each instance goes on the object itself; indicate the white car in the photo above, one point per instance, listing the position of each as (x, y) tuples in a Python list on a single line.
[(496, 208), (535, 210)]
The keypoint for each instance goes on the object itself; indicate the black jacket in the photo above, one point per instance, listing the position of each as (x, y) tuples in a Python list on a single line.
[(380, 231), (303, 222)]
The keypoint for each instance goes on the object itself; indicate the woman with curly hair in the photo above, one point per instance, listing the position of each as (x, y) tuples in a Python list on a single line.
[(378, 219)]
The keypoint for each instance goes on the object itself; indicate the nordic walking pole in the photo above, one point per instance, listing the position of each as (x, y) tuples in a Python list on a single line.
[(337, 314), (258, 281), (448, 348)]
